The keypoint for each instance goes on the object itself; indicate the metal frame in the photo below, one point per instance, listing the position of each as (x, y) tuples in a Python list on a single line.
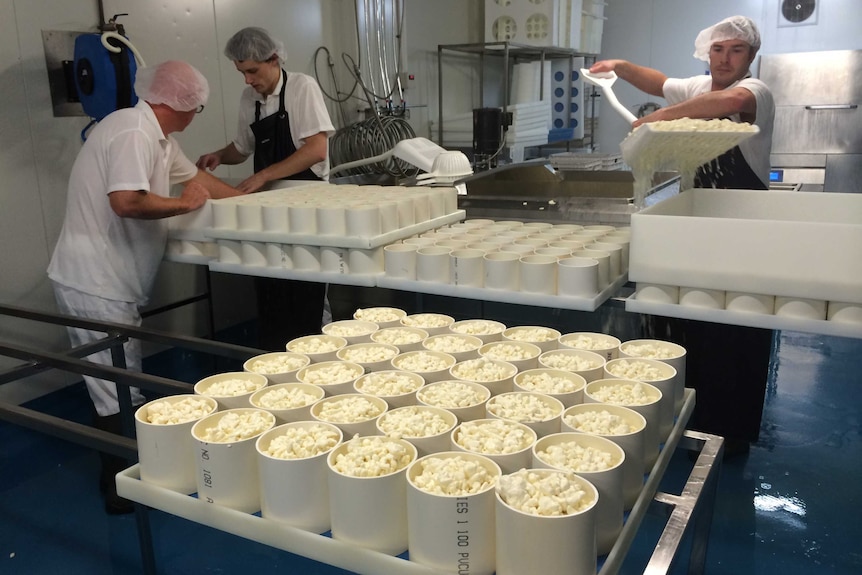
[(507, 50), (689, 512), (39, 361)]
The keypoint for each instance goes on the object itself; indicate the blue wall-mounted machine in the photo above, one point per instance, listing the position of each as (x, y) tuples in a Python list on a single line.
[(105, 80)]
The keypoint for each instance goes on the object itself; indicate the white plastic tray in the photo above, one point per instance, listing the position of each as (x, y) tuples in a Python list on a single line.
[(665, 149), (324, 549), (794, 244), (366, 280), (731, 317), (505, 296), (336, 241)]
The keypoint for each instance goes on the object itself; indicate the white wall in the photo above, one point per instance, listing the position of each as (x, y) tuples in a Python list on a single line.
[(37, 149), (660, 34)]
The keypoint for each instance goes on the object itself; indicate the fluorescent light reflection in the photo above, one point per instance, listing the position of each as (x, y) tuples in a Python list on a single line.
[(773, 503)]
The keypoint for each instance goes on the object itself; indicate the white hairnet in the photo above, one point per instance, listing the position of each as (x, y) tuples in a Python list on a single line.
[(254, 44), (173, 83), (733, 28)]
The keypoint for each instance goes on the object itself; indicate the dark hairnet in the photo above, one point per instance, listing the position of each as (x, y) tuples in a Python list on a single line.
[(254, 44)]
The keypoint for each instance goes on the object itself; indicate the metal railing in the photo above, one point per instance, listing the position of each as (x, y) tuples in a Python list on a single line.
[(37, 361)]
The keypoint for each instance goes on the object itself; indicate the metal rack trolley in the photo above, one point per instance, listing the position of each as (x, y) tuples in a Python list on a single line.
[(688, 512), (506, 50)]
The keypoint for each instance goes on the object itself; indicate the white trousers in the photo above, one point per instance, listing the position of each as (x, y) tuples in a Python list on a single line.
[(79, 304)]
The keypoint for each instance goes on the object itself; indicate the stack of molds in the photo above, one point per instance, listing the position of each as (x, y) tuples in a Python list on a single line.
[(310, 230)]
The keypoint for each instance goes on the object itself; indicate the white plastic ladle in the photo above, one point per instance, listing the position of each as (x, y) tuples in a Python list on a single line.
[(605, 80)]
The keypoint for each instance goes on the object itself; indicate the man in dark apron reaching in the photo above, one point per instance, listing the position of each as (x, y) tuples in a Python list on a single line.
[(283, 121), (728, 365)]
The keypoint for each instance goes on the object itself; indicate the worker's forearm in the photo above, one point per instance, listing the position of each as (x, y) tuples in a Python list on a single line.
[(230, 155), (217, 188), (645, 79), (146, 206)]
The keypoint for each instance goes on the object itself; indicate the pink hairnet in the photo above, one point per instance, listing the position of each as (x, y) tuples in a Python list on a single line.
[(173, 83), (733, 28)]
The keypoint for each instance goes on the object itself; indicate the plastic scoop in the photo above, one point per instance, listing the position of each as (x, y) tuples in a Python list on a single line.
[(605, 80), (448, 167), (419, 152)]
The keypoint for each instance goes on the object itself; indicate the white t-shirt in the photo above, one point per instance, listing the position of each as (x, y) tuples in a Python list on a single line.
[(755, 149), (99, 252), (305, 108)]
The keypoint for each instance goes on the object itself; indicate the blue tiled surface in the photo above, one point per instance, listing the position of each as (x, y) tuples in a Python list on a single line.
[(790, 506)]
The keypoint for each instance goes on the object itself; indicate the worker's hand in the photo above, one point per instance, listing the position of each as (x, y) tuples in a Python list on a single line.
[(194, 195), (209, 161), (252, 184), (603, 66)]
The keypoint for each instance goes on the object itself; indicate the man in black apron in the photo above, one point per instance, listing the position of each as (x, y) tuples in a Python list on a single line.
[(283, 121), (728, 365)]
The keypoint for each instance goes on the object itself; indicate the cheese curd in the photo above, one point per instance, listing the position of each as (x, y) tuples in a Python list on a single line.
[(237, 426), (598, 422), (421, 361), (634, 393), (368, 353), (692, 125), (453, 476), (413, 421), (314, 345), (568, 361), (634, 369), (231, 387), (521, 407), (278, 364), (285, 398), (494, 436), (397, 336), (544, 382), (302, 442), (373, 456), (451, 343), (478, 327), (546, 494), (350, 329), (578, 458), (330, 372), (649, 351), (450, 394), (389, 383), (379, 314), (508, 352), (483, 370), (163, 412), (427, 320), (582, 341), (532, 334), (347, 409)]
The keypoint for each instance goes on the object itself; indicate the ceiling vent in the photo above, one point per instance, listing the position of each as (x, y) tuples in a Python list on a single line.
[(797, 12)]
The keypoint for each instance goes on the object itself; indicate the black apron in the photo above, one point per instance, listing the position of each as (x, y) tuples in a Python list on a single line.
[(287, 309), (728, 365), (728, 171), (272, 140)]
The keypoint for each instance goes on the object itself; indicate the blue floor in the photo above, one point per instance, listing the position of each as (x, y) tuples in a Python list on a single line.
[(790, 506)]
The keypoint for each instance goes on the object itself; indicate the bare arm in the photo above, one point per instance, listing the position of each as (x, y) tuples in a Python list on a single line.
[(716, 104), (228, 155), (644, 79), (217, 188), (312, 152), (142, 205)]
